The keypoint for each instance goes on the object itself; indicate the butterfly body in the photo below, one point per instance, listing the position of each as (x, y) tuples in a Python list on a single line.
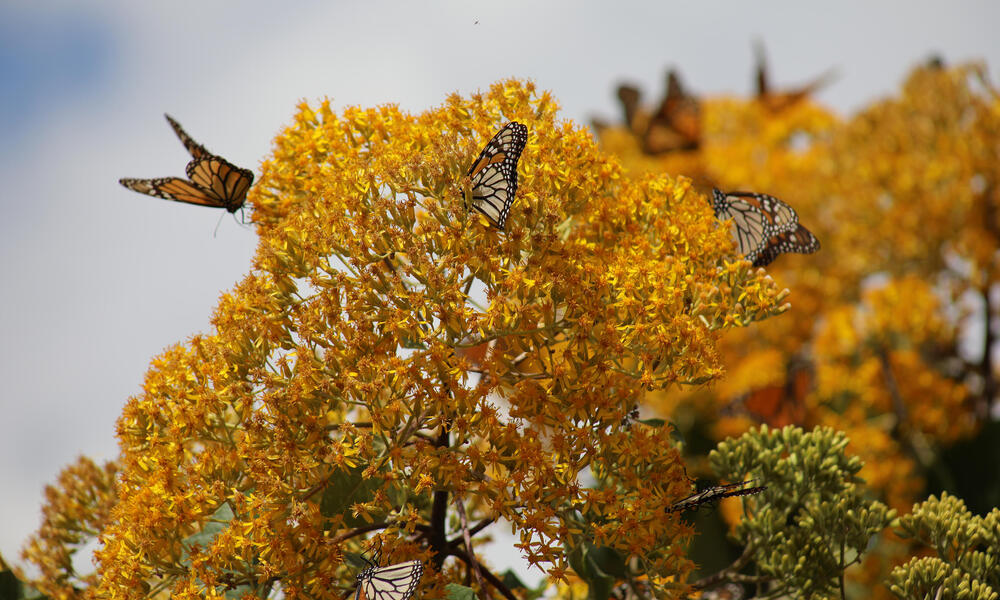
[(762, 226), (714, 493), (393, 582), (212, 180), (492, 178)]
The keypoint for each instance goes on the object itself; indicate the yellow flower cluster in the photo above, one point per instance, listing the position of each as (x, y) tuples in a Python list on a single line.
[(391, 357), (76, 508)]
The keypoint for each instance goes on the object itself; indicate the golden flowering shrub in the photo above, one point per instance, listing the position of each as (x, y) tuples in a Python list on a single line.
[(894, 318), (76, 507), (392, 365)]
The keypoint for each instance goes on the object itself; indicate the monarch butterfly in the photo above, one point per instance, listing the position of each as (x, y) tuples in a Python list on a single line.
[(214, 181), (782, 403), (677, 123), (776, 102), (763, 226), (394, 582), (493, 177), (714, 493)]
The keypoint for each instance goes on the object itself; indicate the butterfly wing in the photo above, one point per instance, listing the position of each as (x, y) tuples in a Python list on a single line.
[(193, 147), (777, 215), (226, 182), (763, 226), (716, 493), (800, 240), (677, 123), (749, 226), (494, 174), (172, 188), (394, 582)]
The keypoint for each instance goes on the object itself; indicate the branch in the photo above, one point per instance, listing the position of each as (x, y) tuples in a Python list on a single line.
[(490, 578), (439, 511), (474, 530), (898, 406), (986, 366), (843, 567), (464, 520), (359, 531), (912, 439), (731, 573)]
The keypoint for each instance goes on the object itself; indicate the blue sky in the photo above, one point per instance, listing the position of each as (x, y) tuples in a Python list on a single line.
[(96, 279)]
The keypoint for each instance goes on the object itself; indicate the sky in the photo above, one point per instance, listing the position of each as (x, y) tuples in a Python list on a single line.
[(96, 280)]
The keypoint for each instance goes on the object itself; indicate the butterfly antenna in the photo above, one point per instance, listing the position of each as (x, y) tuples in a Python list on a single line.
[(217, 226), (242, 220)]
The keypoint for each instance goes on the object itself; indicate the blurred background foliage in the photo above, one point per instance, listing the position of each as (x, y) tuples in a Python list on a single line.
[(875, 391)]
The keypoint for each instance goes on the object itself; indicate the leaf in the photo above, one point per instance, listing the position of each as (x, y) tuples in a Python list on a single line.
[(345, 488), (217, 522), (512, 581), (356, 561), (459, 592), (576, 561), (607, 560), (10, 587), (586, 560)]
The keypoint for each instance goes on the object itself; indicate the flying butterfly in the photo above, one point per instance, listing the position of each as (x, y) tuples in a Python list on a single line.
[(212, 180), (492, 179), (775, 101), (781, 403), (393, 582), (715, 493), (677, 123), (763, 226)]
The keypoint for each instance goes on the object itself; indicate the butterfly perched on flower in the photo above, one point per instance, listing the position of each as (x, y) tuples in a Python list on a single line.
[(715, 493), (212, 180), (492, 180), (393, 582), (763, 226)]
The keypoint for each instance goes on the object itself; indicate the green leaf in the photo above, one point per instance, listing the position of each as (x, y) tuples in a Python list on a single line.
[(459, 592), (512, 581), (356, 561), (10, 587), (576, 561), (217, 522), (653, 422), (345, 488), (675, 433), (607, 560), (585, 560), (600, 588)]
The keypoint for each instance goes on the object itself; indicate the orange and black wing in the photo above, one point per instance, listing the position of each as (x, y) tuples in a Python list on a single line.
[(194, 148), (226, 182), (800, 240), (212, 180), (393, 582), (762, 226), (715, 493), (173, 188), (677, 123), (493, 176)]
